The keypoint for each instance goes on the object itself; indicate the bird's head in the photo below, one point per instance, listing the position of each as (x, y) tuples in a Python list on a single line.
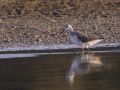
[(67, 27)]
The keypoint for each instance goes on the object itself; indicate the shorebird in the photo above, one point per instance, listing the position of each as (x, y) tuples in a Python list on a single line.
[(80, 38)]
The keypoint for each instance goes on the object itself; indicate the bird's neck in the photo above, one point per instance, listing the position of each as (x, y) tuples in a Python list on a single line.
[(71, 30)]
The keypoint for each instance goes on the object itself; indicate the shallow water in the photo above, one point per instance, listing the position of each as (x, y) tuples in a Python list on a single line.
[(60, 71)]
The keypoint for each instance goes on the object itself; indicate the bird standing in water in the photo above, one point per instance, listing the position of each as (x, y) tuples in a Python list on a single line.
[(80, 38)]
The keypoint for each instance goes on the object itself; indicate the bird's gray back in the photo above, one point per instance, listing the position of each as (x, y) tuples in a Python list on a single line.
[(82, 37)]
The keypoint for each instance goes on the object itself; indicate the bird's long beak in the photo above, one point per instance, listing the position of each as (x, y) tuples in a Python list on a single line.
[(62, 31)]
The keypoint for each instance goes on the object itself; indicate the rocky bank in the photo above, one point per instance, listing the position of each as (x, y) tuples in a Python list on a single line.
[(39, 22)]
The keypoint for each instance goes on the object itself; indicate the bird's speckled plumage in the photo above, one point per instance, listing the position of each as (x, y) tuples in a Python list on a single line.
[(80, 38)]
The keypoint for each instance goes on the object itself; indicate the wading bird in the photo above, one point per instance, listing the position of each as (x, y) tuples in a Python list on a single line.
[(80, 38)]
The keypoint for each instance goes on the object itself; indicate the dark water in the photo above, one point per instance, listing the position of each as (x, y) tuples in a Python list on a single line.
[(60, 71)]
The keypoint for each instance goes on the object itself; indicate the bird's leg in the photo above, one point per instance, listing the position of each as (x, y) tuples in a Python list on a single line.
[(82, 50), (87, 48)]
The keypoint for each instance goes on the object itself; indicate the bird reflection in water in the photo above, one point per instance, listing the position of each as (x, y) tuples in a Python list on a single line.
[(83, 64)]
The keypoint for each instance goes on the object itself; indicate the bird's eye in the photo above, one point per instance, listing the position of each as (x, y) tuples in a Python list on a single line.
[(66, 26)]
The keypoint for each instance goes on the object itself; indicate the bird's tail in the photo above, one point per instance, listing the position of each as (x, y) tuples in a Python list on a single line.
[(94, 42)]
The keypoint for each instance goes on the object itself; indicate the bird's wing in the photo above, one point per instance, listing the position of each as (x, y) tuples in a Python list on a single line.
[(82, 37)]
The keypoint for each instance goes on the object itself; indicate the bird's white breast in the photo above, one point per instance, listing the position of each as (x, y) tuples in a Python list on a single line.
[(75, 40)]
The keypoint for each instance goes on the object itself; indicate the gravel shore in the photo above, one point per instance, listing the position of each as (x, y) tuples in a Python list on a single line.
[(39, 22)]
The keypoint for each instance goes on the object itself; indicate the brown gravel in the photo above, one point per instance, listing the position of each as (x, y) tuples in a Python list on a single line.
[(40, 21)]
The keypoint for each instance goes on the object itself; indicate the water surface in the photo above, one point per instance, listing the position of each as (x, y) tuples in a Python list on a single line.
[(60, 71)]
